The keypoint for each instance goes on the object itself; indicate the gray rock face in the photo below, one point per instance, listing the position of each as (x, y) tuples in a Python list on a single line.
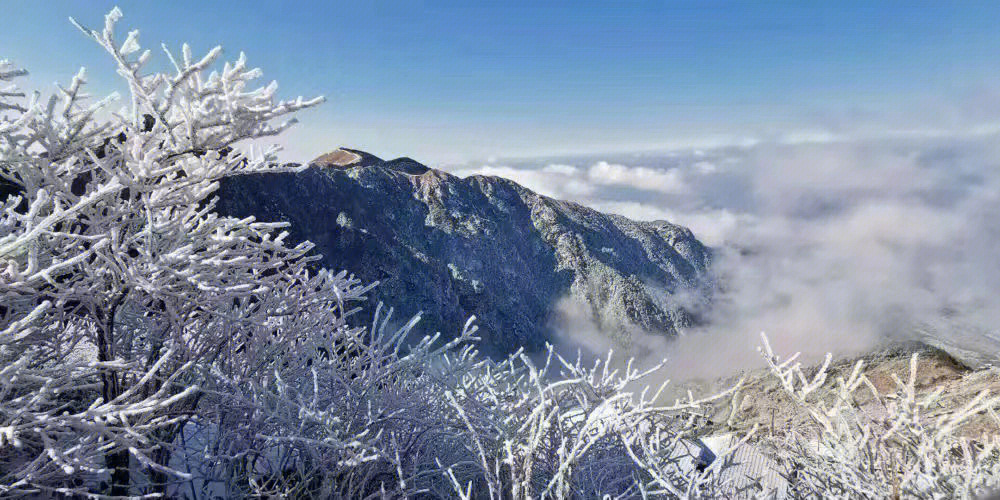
[(484, 246)]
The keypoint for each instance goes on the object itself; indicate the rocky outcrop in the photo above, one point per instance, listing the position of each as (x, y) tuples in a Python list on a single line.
[(454, 247)]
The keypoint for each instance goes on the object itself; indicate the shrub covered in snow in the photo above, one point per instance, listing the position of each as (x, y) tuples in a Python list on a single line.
[(861, 443)]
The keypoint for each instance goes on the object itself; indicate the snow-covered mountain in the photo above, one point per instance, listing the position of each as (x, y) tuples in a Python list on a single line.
[(485, 246)]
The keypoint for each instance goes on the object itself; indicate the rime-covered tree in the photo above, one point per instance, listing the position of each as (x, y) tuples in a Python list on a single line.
[(120, 287), (861, 443)]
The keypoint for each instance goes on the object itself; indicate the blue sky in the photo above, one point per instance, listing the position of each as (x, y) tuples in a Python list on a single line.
[(456, 81)]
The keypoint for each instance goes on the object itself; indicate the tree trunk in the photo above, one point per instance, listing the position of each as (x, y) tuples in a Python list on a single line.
[(157, 479), (117, 461)]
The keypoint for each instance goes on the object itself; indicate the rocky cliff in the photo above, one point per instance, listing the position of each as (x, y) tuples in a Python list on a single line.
[(453, 247)]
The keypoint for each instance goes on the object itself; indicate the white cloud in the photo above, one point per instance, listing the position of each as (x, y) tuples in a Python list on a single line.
[(557, 168), (826, 245), (809, 136), (612, 174), (705, 167)]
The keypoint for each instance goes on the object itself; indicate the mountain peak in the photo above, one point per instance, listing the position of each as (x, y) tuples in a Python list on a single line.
[(348, 158), (344, 157)]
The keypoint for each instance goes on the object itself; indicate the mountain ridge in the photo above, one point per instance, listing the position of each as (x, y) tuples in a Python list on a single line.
[(453, 247)]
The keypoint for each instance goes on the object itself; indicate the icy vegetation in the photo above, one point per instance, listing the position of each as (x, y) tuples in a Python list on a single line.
[(890, 446), (150, 347)]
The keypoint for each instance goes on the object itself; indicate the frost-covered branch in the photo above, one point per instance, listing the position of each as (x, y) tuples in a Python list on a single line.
[(875, 445), (119, 285)]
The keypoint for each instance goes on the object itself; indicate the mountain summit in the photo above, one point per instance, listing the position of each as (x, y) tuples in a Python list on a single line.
[(526, 265)]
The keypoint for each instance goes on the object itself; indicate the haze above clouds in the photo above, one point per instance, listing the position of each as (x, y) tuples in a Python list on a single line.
[(824, 244)]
